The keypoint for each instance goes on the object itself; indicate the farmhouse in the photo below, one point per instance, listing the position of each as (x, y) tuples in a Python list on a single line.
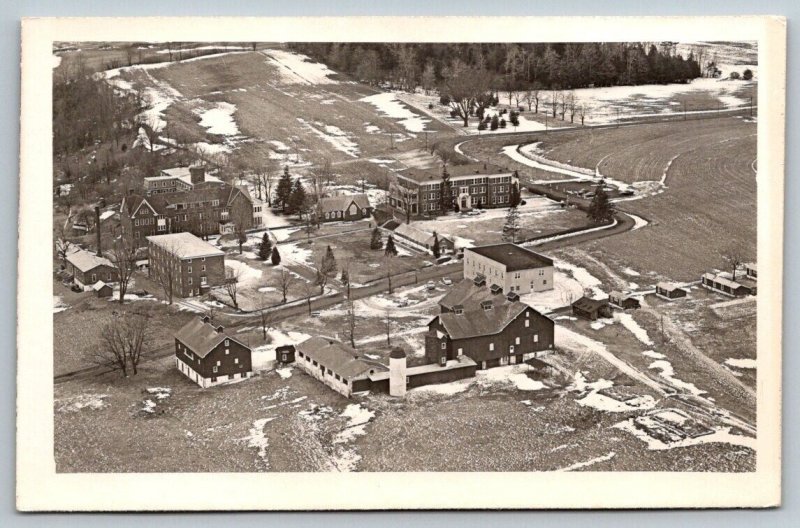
[(185, 265), (417, 238), (205, 206), (347, 207), (723, 284), (492, 329), (418, 191), (591, 309), (669, 290), (208, 356), (87, 268), (509, 266), (623, 300)]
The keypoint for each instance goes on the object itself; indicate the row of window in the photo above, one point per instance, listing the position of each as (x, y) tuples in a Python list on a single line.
[(517, 341), (314, 363)]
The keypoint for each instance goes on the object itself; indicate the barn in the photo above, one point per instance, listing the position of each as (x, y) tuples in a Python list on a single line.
[(623, 300), (591, 309), (205, 354), (669, 291)]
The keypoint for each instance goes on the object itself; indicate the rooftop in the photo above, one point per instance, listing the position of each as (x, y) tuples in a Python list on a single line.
[(202, 337), (667, 286), (585, 303), (85, 261), (514, 257), (455, 171), (343, 201), (185, 245), (337, 356)]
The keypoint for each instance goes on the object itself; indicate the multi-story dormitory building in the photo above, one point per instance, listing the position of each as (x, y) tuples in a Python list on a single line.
[(418, 191), (187, 200)]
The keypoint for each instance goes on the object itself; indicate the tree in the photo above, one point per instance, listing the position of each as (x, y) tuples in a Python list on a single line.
[(350, 322), (265, 316), (583, 110), (297, 199), (285, 281), (511, 227), (390, 249), (122, 257), (123, 340), (733, 256), (388, 320), (554, 97), (242, 219), (532, 96), (464, 85), (436, 249), (345, 277), (276, 256), (376, 242), (284, 190), (747, 75), (428, 77), (572, 106), (326, 269), (495, 122), (232, 276), (62, 244), (515, 197), (265, 249), (600, 209)]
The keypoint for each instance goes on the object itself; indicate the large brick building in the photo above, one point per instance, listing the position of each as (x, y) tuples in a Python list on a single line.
[(509, 266), (418, 191), (490, 328), (186, 264), (193, 202)]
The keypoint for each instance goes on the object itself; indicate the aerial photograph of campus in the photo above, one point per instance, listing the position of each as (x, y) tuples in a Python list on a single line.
[(404, 257)]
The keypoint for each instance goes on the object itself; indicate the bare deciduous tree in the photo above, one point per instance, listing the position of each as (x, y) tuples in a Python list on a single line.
[(285, 281), (734, 256), (122, 257), (464, 85), (265, 315), (232, 276), (350, 323), (123, 340)]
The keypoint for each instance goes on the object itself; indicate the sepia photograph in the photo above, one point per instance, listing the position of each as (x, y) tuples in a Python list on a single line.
[(344, 256)]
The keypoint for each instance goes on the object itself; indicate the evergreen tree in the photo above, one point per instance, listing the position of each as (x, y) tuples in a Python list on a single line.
[(327, 269), (446, 194), (515, 196), (511, 227), (376, 242), (284, 189), (276, 256), (495, 122), (437, 251), (297, 198), (601, 209), (265, 250), (390, 250)]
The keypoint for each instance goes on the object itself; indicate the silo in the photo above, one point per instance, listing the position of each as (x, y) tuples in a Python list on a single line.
[(397, 372)]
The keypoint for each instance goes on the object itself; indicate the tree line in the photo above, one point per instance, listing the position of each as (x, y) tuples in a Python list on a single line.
[(508, 65)]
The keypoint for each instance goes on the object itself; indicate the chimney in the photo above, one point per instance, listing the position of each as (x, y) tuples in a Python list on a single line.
[(97, 227), (220, 329), (198, 174), (486, 305)]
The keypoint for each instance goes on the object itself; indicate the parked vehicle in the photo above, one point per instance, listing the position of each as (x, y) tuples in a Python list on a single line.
[(431, 285), (315, 314), (447, 281)]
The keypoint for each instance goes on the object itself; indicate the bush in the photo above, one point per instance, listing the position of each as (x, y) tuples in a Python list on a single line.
[(735, 76), (456, 208), (522, 202), (444, 99), (430, 106), (482, 125), (521, 109), (453, 114), (502, 123), (747, 75), (495, 123)]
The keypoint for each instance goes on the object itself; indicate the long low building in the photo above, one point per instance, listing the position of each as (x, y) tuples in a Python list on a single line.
[(723, 283)]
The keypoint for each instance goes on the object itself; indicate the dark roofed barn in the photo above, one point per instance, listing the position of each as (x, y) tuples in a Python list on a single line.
[(208, 356)]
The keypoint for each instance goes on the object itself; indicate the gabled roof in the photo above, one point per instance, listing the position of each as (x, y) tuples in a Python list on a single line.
[(514, 257), (479, 322), (724, 281), (337, 356), (465, 292), (185, 245), (589, 305), (668, 286), (418, 235), (85, 261), (201, 337), (99, 285), (342, 202)]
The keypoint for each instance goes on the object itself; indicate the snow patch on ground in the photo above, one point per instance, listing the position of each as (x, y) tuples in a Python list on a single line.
[(247, 276), (58, 304), (258, 439), (295, 68), (633, 327), (515, 375), (333, 135), (579, 465), (219, 120), (668, 373), (388, 104), (742, 363), (83, 401)]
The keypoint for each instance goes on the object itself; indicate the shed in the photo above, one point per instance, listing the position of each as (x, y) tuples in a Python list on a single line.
[(591, 309), (284, 354), (623, 300), (669, 290), (101, 289), (751, 271)]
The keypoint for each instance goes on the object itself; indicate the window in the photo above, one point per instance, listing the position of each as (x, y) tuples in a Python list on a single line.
[(444, 360), (491, 346), (227, 351), (190, 269), (202, 268), (460, 352), (227, 342), (527, 323), (444, 345), (203, 280), (235, 361), (535, 338), (219, 363), (190, 281), (544, 281), (510, 349), (516, 341), (94, 277), (215, 369)]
